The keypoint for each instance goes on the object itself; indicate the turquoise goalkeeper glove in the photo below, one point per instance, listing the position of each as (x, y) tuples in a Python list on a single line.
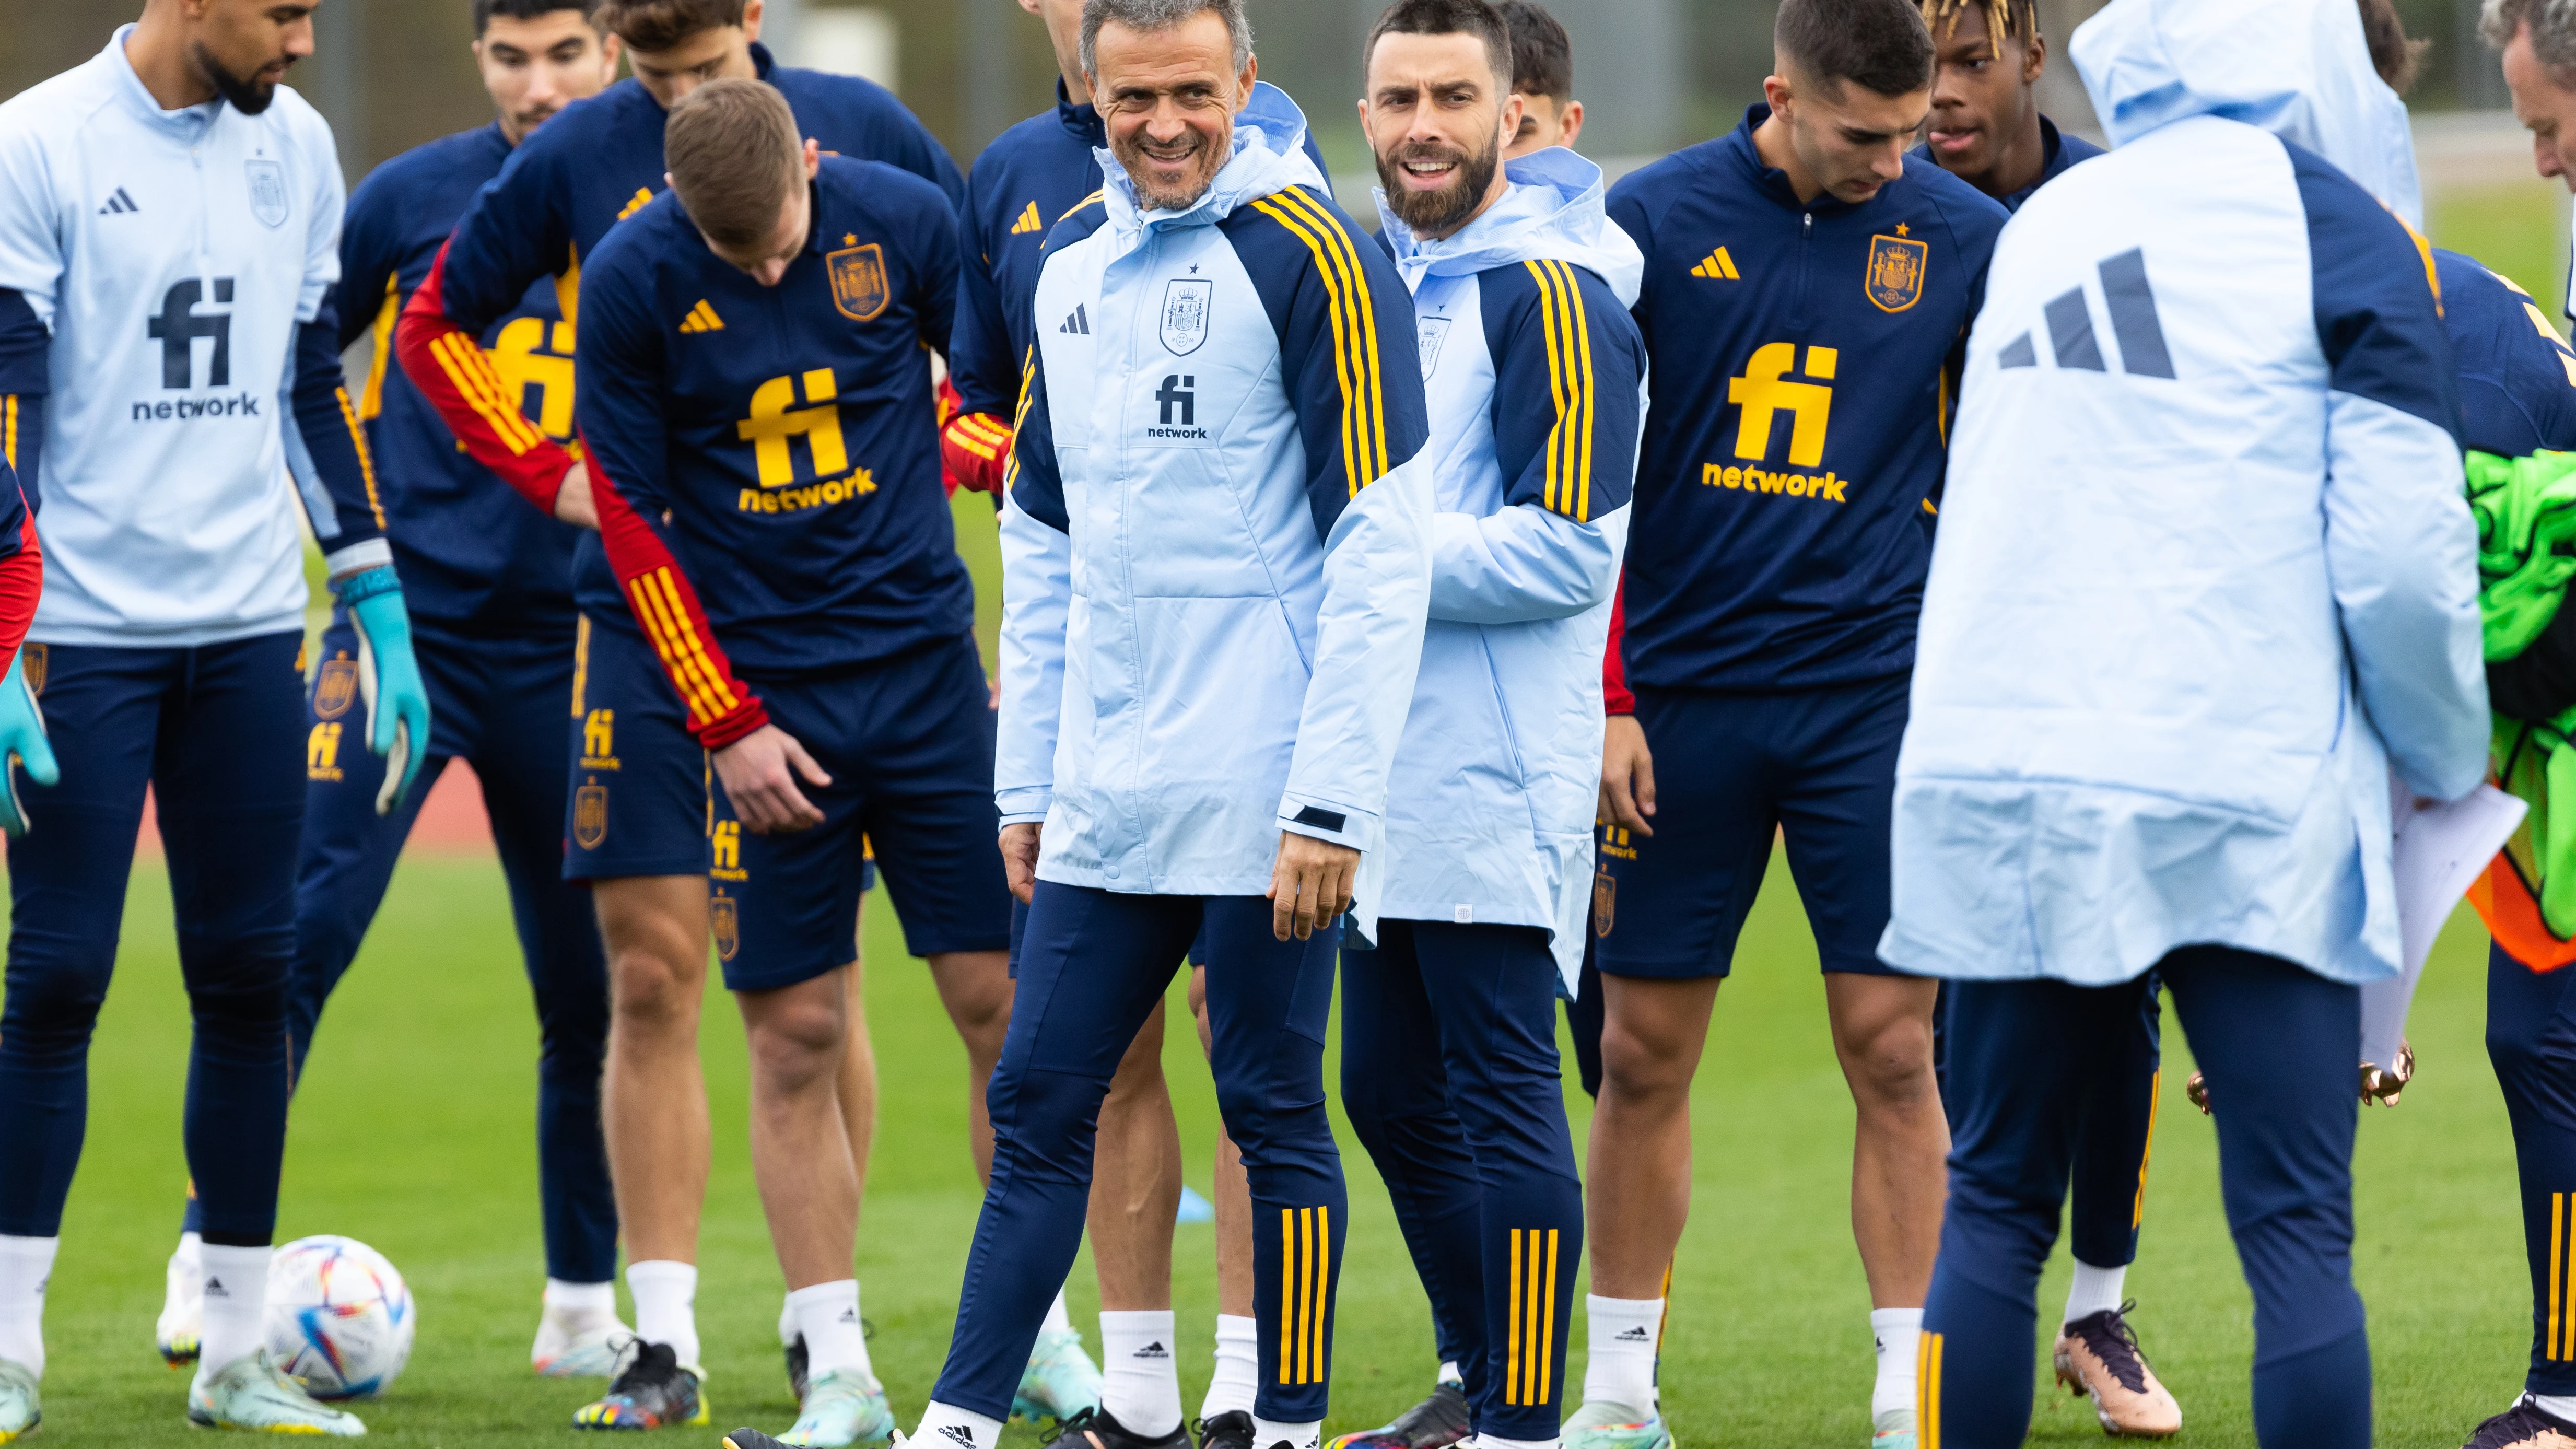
[(22, 742), (389, 680)]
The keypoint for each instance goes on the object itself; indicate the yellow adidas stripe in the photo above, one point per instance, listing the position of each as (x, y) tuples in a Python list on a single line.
[(1020, 418), (1079, 205), (371, 401), (366, 460), (675, 638), (648, 612), (721, 694), (473, 376), (2147, 1152), (9, 429), (1568, 332), (1353, 315), (580, 662), (1927, 1391), (1373, 423)]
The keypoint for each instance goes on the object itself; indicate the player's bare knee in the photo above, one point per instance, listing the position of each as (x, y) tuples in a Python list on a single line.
[(1889, 1063), (795, 1043)]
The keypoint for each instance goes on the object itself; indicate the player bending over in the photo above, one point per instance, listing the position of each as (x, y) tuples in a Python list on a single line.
[(490, 594), (169, 343), (1987, 130), (1807, 287), (1535, 376), (1216, 747), (2251, 646)]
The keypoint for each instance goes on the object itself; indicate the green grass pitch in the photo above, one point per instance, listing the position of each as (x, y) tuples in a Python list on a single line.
[(414, 1131)]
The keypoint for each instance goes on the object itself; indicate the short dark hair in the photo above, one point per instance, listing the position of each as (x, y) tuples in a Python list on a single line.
[(1880, 45), (650, 25), (484, 10), (1542, 53), (1478, 18), (2393, 53), (734, 156)]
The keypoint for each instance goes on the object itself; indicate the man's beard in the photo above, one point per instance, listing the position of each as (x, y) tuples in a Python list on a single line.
[(1438, 213), (250, 97), (1135, 158)]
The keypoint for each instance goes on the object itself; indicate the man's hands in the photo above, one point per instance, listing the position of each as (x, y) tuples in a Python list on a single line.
[(574, 504), (760, 771), (1020, 859), (1310, 885), (1627, 775)]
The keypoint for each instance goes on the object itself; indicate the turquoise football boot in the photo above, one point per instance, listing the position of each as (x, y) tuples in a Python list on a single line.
[(1616, 1426), (843, 1407), (254, 1393), (1059, 1382), (21, 1407)]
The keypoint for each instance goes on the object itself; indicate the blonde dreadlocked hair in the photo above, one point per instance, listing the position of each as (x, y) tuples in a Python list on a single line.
[(2003, 17)]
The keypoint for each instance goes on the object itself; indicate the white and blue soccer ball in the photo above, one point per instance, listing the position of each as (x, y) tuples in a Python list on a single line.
[(340, 1317)]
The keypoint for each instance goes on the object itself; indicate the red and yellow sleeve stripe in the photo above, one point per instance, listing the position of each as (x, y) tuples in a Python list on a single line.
[(450, 369), (1353, 319), (1020, 418), (1568, 333), (667, 609)]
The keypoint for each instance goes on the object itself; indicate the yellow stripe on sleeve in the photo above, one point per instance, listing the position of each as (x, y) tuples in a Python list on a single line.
[(1338, 312), (9, 429), (657, 628), (690, 639), (1374, 456), (366, 459), (473, 376), (1020, 418), (371, 401)]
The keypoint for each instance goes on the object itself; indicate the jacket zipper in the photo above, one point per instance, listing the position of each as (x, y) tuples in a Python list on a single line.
[(1806, 257)]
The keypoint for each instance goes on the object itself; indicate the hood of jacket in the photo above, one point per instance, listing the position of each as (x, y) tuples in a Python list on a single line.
[(1554, 210), (1269, 156), (2299, 69)]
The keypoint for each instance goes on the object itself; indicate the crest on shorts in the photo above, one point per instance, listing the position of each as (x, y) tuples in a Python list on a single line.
[(34, 655), (1431, 332), (724, 916), (590, 816), (1185, 315), (1605, 901), (859, 287), (267, 192), (338, 686), (1896, 267)]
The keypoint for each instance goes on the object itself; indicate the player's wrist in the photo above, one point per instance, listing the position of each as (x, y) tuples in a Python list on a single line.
[(747, 719)]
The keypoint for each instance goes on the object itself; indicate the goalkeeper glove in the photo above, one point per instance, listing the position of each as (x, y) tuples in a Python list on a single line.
[(22, 742), (389, 680)]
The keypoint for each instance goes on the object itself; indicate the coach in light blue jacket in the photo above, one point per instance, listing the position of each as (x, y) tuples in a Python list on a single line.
[(1217, 562), (2204, 577)]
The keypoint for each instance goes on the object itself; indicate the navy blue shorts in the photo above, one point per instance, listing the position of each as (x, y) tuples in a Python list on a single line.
[(1732, 770), (909, 746), (639, 780)]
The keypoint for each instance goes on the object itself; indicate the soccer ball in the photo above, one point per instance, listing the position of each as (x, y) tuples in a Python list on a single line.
[(339, 1317)]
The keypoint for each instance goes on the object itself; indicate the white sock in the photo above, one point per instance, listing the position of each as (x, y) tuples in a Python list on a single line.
[(1270, 1434), (25, 1264), (828, 1315), (1896, 1331), (2557, 1406), (1058, 1320), (1140, 1377), (1238, 1367), (1619, 1367), (945, 1426), (2095, 1290), (580, 1307), (236, 1306), (1449, 1374), (787, 1329), (666, 1295)]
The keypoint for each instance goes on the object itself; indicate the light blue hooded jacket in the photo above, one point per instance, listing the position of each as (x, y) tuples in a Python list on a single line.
[(1536, 377), (2204, 572), (1217, 541)]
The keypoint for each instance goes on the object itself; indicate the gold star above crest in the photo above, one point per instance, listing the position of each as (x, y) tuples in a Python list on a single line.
[(849, 239), (1902, 230)]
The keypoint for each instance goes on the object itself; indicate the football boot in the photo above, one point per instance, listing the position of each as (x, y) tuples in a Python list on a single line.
[(653, 1391), (2098, 1357), (752, 1439), (1606, 1425), (1097, 1428), (1060, 1382), (1435, 1423), (21, 1407), (841, 1407), (1229, 1430), (1892, 1430), (574, 1350), (183, 1307), (2524, 1426), (253, 1393)]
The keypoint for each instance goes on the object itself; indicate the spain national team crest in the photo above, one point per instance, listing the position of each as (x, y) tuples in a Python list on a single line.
[(1896, 267), (590, 816), (337, 687), (1185, 315), (34, 656), (267, 192), (1605, 902), (1431, 332), (859, 287), (724, 917)]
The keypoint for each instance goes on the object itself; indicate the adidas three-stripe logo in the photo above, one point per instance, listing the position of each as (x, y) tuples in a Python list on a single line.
[(119, 204), (1079, 324), (702, 318), (1028, 221), (1718, 267), (2134, 323)]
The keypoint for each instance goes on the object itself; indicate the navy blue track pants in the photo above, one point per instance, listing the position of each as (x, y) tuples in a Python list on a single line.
[(1451, 1078), (1092, 966), (216, 731), (2531, 1039), (2278, 1044)]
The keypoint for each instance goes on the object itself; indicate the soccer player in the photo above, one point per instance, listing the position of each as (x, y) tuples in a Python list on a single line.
[(1543, 77), (1535, 379), (489, 588), (1220, 630), (1987, 130), (169, 241), (2249, 648), (638, 825), (1807, 287)]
